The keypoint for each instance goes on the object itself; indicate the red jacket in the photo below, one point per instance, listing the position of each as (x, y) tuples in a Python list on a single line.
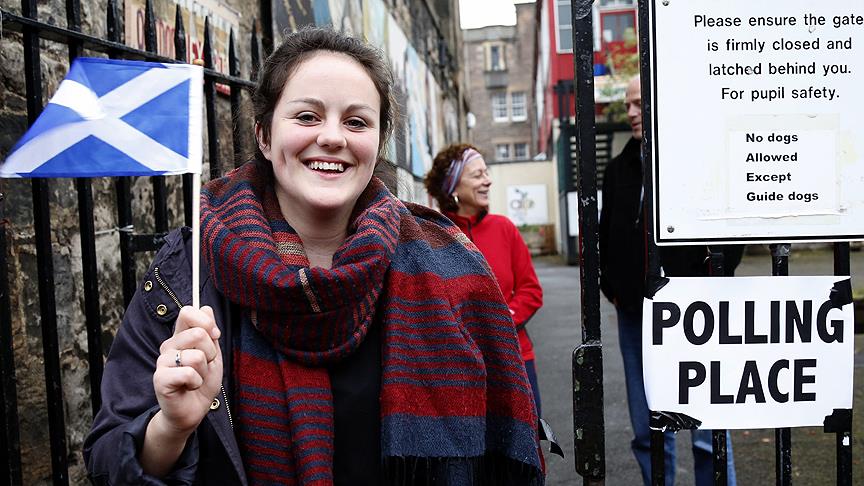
[(505, 250)]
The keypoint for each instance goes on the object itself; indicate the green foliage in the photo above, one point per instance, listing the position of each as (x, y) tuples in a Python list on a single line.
[(623, 64)]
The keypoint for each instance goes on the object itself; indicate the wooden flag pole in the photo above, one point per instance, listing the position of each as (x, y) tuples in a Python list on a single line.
[(196, 239)]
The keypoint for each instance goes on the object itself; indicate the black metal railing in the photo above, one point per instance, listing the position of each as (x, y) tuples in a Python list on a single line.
[(588, 422), (33, 32)]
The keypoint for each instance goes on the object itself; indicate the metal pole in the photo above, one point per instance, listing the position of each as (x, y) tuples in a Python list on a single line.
[(843, 438), (267, 34), (588, 423), (234, 70), (87, 230), (123, 190), (160, 193), (718, 437), (45, 264), (652, 273), (180, 54), (783, 436), (10, 443), (210, 101)]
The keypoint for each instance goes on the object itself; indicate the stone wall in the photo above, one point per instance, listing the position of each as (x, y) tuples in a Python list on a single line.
[(16, 208), (420, 27)]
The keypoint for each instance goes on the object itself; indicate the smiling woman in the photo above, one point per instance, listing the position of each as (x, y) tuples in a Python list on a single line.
[(326, 301), (323, 142), (459, 181)]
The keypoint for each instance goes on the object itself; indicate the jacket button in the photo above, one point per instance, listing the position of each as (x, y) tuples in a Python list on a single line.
[(148, 286), (214, 404), (161, 309)]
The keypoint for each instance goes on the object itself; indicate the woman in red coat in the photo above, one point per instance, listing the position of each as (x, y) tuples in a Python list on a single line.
[(459, 181)]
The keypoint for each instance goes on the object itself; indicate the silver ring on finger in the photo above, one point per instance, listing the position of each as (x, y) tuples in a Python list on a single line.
[(178, 358)]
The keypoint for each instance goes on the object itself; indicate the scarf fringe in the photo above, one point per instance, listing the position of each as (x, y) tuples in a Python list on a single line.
[(488, 470)]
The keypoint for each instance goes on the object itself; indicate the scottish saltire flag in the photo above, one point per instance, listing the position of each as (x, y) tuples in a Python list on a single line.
[(115, 118)]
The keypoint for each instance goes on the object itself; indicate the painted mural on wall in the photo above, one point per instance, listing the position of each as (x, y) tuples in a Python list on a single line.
[(292, 14), (414, 137), (347, 16)]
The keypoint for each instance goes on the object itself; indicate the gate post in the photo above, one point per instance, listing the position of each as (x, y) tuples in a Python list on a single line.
[(782, 437), (588, 426)]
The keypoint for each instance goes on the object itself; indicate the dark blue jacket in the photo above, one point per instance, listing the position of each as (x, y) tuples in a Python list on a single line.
[(110, 451)]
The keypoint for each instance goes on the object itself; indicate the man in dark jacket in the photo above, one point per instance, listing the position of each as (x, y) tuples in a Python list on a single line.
[(622, 280)]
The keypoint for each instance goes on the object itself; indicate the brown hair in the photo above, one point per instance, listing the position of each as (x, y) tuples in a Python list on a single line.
[(300, 46), (435, 178)]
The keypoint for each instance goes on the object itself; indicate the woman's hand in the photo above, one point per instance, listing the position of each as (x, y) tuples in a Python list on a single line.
[(189, 369), (188, 376)]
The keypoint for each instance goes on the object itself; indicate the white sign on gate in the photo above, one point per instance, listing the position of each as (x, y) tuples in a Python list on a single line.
[(757, 120), (765, 352)]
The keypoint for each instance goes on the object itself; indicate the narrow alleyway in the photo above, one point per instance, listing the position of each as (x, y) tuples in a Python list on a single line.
[(555, 331)]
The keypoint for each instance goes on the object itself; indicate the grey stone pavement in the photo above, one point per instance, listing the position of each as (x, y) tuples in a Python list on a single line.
[(555, 331)]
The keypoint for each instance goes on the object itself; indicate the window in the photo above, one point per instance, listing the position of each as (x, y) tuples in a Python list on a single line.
[(502, 151), (499, 107), (518, 111), (565, 28), (495, 59), (616, 3), (616, 26), (520, 151)]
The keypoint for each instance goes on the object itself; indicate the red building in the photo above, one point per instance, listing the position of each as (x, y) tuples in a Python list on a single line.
[(614, 35)]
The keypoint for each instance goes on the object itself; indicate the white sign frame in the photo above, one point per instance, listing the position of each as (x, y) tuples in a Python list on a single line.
[(693, 126), (673, 362)]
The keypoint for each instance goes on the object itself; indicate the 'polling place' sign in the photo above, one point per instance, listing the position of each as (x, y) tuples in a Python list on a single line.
[(749, 352)]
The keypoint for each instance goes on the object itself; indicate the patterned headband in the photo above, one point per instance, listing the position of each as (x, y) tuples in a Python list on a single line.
[(454, 173)]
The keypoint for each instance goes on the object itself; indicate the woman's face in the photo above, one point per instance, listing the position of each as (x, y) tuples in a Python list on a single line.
[(473, 187), (324, 135)]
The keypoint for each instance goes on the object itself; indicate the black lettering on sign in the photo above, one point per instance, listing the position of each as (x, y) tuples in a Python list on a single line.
[(794, 320), (723, 318), (801, 379), (775, 321), (693, 374), (751, 384), (750, 336), (836, 334), (685, 382), (716, 396), (776, 395), (708, 319), (661, 322)]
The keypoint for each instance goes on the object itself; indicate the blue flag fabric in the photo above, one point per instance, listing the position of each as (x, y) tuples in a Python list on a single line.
[(115, 118)]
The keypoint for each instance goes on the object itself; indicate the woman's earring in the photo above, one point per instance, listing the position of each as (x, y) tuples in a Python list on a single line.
[(456, 199)]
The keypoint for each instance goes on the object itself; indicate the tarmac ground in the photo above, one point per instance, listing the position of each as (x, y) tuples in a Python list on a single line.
[(555, 330)]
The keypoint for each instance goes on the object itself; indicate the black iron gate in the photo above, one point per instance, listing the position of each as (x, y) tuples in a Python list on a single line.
[(33, 33), (588, 424)]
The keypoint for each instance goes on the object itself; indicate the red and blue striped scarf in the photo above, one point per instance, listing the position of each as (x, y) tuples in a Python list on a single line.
[(455, 399)]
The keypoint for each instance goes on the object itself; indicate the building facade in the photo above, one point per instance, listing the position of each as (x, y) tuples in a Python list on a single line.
[(499, 81), (499, 85), (614, 45)]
